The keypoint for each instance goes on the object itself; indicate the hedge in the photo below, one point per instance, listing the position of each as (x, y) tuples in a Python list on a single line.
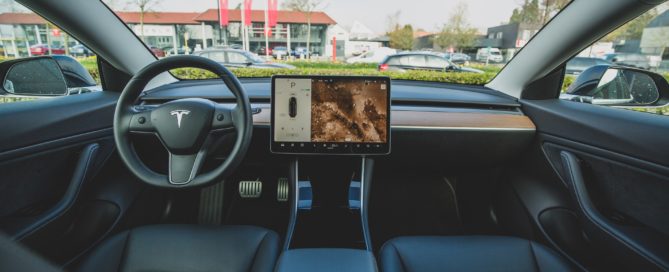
[(450, 77)]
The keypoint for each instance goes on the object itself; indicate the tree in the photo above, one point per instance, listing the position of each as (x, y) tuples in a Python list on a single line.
[(457, 32), (552, 7), (633, 29), (528, 13), (307, 7), (144, 6), (401, 37)]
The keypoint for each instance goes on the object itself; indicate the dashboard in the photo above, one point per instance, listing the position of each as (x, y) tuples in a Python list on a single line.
[(429, 123)]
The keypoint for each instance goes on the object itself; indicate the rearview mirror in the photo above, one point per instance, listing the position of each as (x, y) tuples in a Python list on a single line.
[(40, 76), (619, 86)]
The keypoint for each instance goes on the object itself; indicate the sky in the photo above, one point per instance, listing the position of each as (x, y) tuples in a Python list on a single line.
[(429, 15)]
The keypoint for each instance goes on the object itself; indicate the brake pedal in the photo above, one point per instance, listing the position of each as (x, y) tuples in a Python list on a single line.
[(250, 189), (282, 189)]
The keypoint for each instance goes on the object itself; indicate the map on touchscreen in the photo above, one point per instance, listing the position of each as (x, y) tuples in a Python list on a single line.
[(335, 110)]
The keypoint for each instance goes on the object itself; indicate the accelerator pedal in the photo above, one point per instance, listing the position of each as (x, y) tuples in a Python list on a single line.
[(250, 189), (282, 190)]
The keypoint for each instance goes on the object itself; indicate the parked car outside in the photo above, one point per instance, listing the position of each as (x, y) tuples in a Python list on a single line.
[(234, 58), (43, 49), (579, 64), (261, 51), (490, 55), (79, 50), (301, 51), (458, 58), (157, 51), (169, 50), (629, 59), (421, 61), (280, 52), (373, 56)]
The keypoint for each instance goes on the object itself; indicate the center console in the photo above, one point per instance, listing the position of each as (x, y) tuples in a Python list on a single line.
[(312, 118)]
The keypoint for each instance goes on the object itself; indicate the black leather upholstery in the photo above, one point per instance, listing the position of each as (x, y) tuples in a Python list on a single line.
[(326, 260), (186, 248), (468, 253)]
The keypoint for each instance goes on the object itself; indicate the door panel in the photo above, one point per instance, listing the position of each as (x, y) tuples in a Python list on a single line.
[(51, 151), (614, 167)]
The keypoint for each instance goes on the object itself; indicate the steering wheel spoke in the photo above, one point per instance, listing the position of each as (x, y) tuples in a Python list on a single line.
[(140, 121), (184, 168), (224, 118)]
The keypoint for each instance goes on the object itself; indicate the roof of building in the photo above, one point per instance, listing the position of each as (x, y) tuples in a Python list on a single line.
[(129, 17), (283, 16), (159, 18), (183, 18), (21, 18)]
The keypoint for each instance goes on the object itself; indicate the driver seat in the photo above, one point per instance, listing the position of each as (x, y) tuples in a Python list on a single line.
[(186, 248)]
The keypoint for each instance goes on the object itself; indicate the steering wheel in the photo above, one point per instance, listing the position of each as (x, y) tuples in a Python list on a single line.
[(188, 128)]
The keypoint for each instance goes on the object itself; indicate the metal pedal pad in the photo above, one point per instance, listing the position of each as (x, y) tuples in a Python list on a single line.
[(282, 189), (250, 189)]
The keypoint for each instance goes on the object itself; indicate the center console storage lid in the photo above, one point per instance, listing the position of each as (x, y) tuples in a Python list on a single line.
[(326, 260)]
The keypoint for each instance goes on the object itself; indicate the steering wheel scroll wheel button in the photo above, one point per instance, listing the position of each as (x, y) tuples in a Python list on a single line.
[(222, 119)]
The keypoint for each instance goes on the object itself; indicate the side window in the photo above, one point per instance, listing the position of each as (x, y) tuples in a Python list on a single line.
[(24, 34), (394, 61), (416, 60), (627, 69), (234, 57), (217, 56), (436, 62)]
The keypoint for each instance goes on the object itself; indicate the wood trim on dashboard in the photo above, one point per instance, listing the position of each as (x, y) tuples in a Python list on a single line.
[(460, 120), (441, 120)]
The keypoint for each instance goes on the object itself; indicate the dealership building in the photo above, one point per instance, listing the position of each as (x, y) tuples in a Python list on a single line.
[(169, 30)]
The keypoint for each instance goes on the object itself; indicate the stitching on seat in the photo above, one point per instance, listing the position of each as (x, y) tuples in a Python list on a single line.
[(255, 255), (535, 262)]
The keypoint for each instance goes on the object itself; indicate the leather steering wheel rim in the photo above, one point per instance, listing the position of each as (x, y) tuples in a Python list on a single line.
[(127, 119)]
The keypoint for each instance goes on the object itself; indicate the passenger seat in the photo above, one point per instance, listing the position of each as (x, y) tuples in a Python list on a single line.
[(468, 253)]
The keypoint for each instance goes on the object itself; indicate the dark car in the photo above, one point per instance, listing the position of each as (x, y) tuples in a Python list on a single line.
[(262, 51), (421, 61), (43, 49), (79, 50), (458, 58), (234, 58), (579, 64)]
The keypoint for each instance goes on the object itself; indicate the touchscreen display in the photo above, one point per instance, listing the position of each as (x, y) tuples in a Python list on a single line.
[(321, 114)]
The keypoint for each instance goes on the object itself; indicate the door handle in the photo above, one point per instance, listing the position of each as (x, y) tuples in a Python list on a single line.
[(616, 234)]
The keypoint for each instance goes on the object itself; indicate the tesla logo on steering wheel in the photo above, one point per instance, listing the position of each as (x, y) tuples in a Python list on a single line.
[(179, 114)]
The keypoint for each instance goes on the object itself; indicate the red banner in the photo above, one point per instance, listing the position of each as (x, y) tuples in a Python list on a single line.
[(223, 19), (272, 9), (247, 12)]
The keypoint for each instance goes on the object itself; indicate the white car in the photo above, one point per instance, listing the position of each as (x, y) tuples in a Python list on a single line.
[(374, 56), (490, 55)]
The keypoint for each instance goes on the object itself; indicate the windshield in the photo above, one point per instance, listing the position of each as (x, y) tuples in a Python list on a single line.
[(328, 37)]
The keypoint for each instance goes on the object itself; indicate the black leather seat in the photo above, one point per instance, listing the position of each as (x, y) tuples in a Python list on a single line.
[(468, 253), (186, 248)]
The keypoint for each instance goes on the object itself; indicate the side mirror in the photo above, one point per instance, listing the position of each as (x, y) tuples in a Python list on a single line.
[(39, 76), (619, 86)]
